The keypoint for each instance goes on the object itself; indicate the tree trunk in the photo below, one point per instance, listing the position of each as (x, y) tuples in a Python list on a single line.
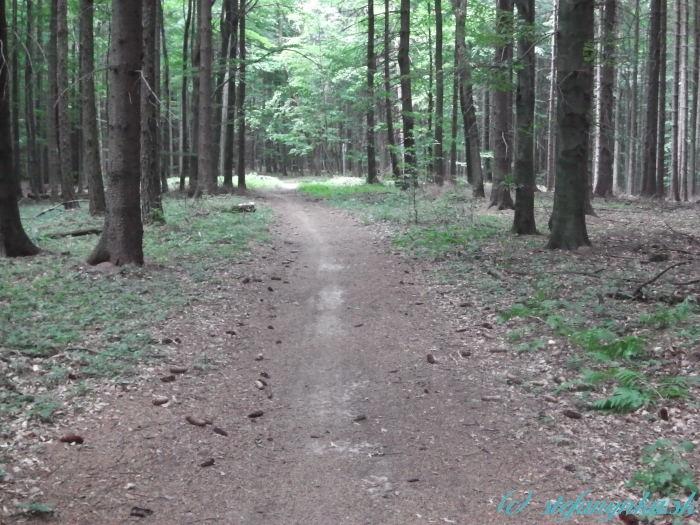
[(675, 105), (168, 99), (387, 90), (220, 99), (410, 162), (524, 168), (466, 92), (633, 139), (503, 142), (661, 112), (14, 241), (229, 145), (439, 161), (91, 152), (207, 171), (16, 153), (693, 152), (552, 106), (650, 142), (371, 70), (575, 86), (683, 105), (65, 150), (240, 98), (33, 171), (184, 133), (452, 173), (122, 236), (151, 204), (54, 160), (606, 139)]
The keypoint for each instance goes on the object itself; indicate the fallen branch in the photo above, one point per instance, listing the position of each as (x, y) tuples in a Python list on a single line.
[(688, 235), (75, 233), (656, 277), (57, 206), (686, 283)]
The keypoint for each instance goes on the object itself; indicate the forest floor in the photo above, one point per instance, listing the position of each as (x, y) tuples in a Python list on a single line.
[(355, 368)]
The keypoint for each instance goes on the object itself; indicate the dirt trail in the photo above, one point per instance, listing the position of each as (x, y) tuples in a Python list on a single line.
[(360, 429)]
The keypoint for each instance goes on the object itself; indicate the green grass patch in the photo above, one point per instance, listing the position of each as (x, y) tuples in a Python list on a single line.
[(100, 323)]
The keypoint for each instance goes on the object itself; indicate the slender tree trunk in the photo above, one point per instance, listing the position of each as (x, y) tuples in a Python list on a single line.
[(33, 152), (14, 241), (524, 168), (693, 151), (184, 134), (229, 145), (65, 150), (168, 96), (207, 170), (651, 136), (371, 70), (219, 109), (633, 125), (661, 112), (439, 97), (452, 174), (391, 139), (16, 152), (240, 98), (552, 106), (503, 141), (411, 164), (466, 92), (122, 236), (54, 160), (606, 139), (91, 152), (151, 204), (683, 104), (675, 104), (575, 87)]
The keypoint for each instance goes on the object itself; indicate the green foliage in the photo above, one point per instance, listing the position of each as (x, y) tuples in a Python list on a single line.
[(605, 345), (669, 317), (334, 189), (36, 508), (665, 471)]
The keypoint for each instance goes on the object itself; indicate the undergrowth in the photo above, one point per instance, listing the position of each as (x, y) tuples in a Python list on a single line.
[(58, 313)]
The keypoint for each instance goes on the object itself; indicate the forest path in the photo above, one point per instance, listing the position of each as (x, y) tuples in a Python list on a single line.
[(357, 426)]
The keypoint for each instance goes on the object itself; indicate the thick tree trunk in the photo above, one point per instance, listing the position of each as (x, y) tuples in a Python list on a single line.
[(240, 99), (64, 137), (371, 70), (391, 139), (91, 152), (411, 164), (14, 241), (151, 204), (606, 139), (573, 118), (207, 171), (122, 237), (466, 92), (503, 140), (524, 168), (439, 161), (650, 143)]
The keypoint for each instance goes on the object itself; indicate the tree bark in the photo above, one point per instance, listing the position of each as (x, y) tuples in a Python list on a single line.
[(122, 236), (207, 171), (606, 139), (229, 145), (168, 123), (466, 92), (54, 163), (575, 87), (16, 153), (503, 140), (151, 204), (552, 106), (650, 143), (371, 70), (452, 173), (240, 98), (391, 139), (524, 167), (184, 133), (64, 137), (631, 187), (14, 241), (693, 153), (33, 169), (439, 161), (410, 162), (675, 105), (91, 152), (661, 112)]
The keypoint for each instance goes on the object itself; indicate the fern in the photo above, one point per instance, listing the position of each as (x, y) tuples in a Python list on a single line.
[(623, 400)]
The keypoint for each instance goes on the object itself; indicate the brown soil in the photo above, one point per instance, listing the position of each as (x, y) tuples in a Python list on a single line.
[(357, 426)]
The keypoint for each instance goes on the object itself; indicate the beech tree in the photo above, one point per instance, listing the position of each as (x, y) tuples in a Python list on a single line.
[(575, 86), (121, 241)]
